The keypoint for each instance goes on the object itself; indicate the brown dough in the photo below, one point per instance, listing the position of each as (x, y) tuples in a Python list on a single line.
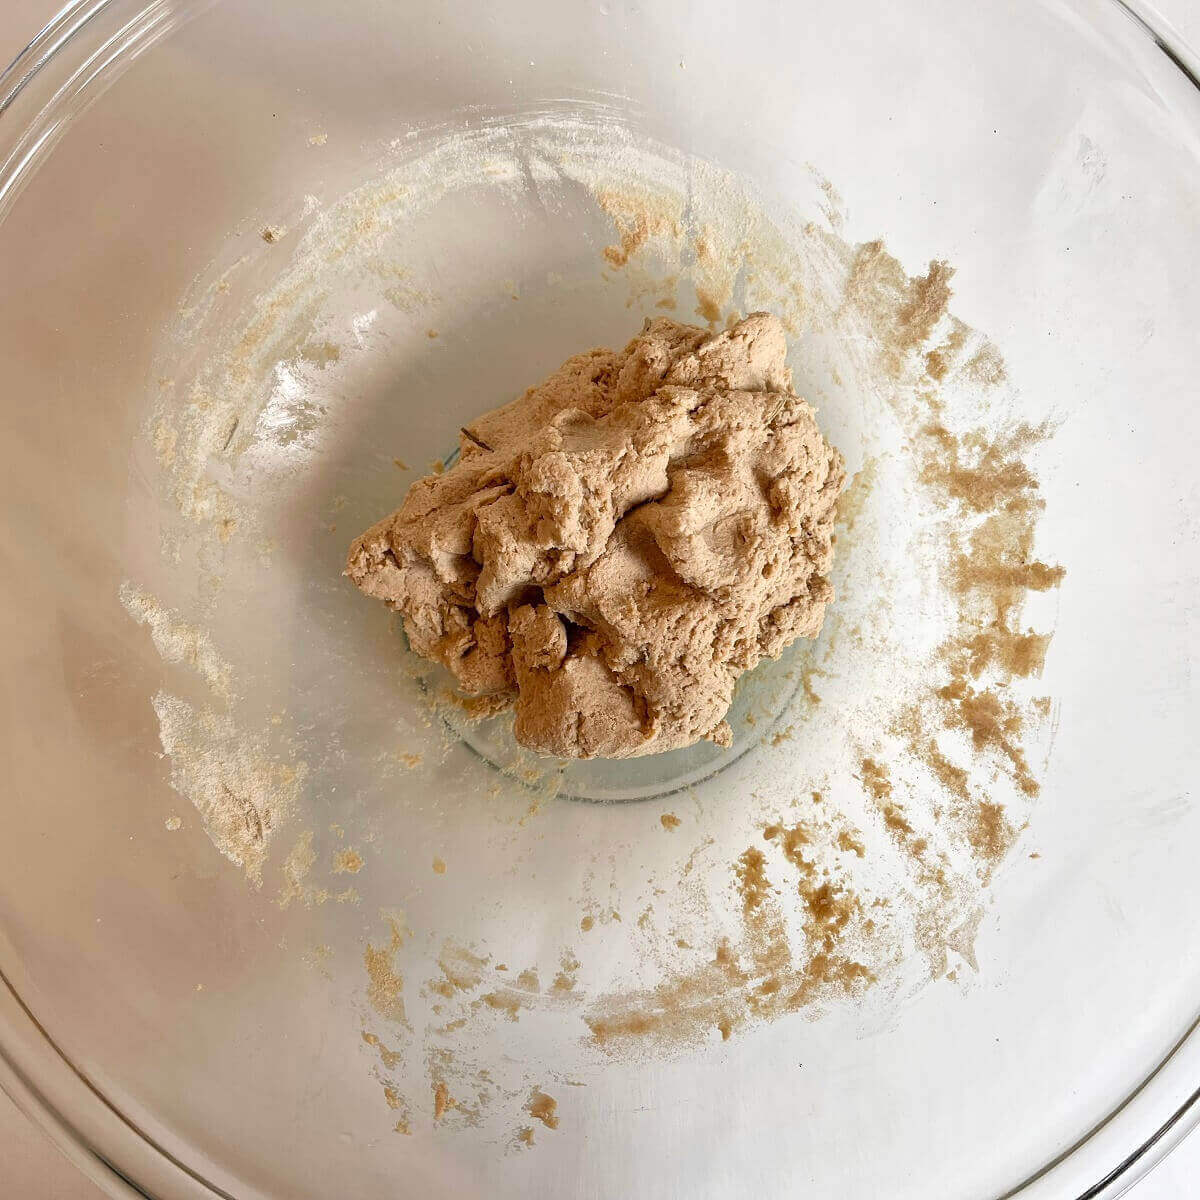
[(612, 550)]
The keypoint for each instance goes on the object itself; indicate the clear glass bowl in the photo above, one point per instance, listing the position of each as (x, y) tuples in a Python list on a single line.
[(229, 234)]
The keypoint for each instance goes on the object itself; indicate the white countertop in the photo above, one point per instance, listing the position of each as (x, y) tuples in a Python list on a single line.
[(31, 1167)]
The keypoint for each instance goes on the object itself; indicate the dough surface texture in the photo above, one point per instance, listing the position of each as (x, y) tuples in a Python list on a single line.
[(615, 547)]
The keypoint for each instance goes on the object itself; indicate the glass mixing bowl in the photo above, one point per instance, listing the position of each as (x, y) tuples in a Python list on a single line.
[(277, 921)]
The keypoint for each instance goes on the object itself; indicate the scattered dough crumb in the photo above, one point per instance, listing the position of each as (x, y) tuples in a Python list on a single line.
[(385, 984), (443, 1102), (347, 862), (543, 1108)]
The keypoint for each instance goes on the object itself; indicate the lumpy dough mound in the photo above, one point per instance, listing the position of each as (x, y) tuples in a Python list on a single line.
[(613, 549)]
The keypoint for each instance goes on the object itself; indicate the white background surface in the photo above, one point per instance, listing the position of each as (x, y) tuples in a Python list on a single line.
[(31, 1168)]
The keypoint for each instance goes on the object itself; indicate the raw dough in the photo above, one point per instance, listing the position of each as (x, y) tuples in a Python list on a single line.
[(613, 549)]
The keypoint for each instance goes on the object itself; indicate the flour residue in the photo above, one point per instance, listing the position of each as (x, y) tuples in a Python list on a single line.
[(177, 640), (385, 989), (244, 784), (849, 863), (941, 751), (242, 791)]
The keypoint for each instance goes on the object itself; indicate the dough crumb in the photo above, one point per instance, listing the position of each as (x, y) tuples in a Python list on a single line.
[(443, 1102), (543, 1108), (612, 550), (347, 862)]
